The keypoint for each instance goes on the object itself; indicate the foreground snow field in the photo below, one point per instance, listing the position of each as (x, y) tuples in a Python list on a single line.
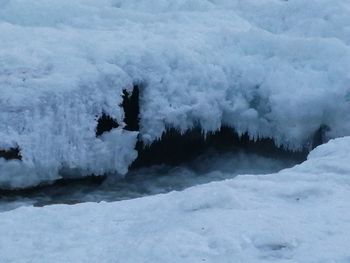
[(300, 214), (272, 68)]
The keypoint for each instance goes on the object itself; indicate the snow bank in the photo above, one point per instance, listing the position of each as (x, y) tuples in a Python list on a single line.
[(298, 215), (277, 69)]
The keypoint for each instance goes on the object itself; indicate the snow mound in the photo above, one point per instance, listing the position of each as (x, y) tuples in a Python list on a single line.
[(276, 69), (291, 216)]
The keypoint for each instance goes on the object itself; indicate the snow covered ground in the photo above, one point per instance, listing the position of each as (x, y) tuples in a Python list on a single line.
[(272, 68), (300, 214), (276, 69)]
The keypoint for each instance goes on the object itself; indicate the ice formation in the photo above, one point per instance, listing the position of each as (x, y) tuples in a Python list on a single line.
[(275, 69)]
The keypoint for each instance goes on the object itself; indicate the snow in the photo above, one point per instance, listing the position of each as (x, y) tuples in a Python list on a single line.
[(300, 214), (276, 69)]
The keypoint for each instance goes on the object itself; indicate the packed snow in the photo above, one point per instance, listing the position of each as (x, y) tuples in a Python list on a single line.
[(300, 214), (275, 69)]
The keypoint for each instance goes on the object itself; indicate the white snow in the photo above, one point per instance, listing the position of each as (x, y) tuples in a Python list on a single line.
[(300, 214), (272, 68)]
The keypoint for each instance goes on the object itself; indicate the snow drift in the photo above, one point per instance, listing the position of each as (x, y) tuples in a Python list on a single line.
[(274, 69)]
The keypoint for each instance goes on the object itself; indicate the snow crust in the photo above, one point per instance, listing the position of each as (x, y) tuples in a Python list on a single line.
[(272, 68), (297, 215)]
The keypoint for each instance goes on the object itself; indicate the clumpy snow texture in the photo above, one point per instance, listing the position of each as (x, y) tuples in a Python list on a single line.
[(272, 68), (300, 214)]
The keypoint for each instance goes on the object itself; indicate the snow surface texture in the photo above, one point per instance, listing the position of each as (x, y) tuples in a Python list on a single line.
[(272, 68), (301, 214)]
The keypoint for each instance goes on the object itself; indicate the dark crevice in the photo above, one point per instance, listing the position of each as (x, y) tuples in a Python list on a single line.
[(131, 109), (11, 154), (105, 123), (130, 104), (319, 136), (175, 148)]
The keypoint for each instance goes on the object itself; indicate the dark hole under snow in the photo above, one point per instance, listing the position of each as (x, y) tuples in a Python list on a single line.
[(206, 164)]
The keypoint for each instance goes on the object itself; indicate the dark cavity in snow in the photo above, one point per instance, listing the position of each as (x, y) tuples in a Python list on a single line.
[(131, 108), (175, 148), (320, 136), (105, 124), (130, 104), (11, 154)]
